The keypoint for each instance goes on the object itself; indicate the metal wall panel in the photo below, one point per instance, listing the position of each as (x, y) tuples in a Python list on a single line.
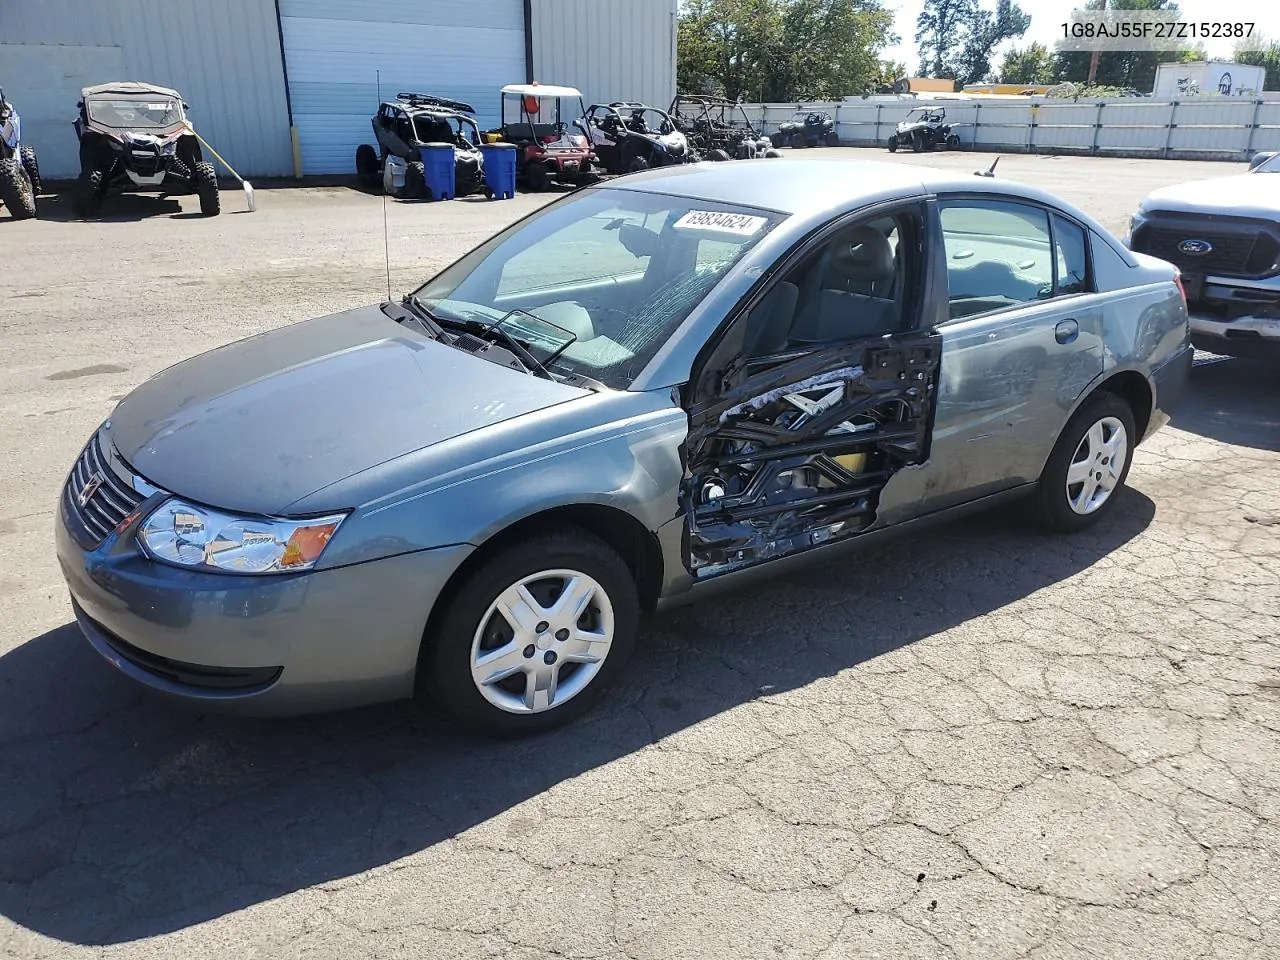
[(608, 49), (224, 58), (335, 49)]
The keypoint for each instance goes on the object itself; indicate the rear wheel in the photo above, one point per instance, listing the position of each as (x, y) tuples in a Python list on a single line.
[(777, 140), (833, 139), (717, 155), (533, 636), (1088, 466), (415, 182), (16, 191), (637, 164), (773, 154), (205, 180), (28, 156), (953, 142), (367, 168)]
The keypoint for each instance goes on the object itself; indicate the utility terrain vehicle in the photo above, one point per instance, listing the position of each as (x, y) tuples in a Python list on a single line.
[(924, 128), (719, 129), (402, 127), (807, 129), (135, 137), (540, 119), (19, 171), (628, 136)]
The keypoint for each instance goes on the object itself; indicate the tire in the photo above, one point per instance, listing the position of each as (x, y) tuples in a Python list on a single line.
[(32, 166), (1051, 506), (893, 143), (777, 140), (205, 180), (718, 156), (415, 182), (537, 177), (368, 169), (773, 154), (833, 139), (471, 625), (953, 142), (918, 144), (637, 164), (16, 192)]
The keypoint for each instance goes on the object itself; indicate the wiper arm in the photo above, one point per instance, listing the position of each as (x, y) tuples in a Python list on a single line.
[(517, 349), (423, 315)]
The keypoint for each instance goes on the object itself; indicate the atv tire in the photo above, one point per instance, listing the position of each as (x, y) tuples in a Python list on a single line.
[(16, 191), (637, 164), (778, 141), (368, 168), (918, 143), (537, 177), (415, 182), (718, 155), (205, 180), (893, 143), (953, 142), (29, 162), (86, 196), (833, 139), (773, 154)]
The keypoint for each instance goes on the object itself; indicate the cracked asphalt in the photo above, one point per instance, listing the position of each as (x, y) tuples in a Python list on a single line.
[(982, 742)]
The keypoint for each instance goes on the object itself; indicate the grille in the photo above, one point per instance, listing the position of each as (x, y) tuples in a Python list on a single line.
[(1234, 254), (109, 503)]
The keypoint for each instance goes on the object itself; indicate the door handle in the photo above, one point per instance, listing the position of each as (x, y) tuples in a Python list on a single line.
[(1066, 331)]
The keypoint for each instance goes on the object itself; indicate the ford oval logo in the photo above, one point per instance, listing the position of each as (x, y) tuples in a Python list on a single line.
[(1195, 248)]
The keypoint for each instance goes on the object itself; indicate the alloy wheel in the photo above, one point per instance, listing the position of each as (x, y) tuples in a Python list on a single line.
[(1097, 465)]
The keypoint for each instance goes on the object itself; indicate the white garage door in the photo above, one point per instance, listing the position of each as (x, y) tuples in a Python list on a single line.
[(335, 49)]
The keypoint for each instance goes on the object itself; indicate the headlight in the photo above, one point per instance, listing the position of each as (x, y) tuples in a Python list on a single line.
[(189, 536), (170, 148)]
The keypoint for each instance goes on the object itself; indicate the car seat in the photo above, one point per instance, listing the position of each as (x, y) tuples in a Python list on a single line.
[(991, 278), (844, 299)]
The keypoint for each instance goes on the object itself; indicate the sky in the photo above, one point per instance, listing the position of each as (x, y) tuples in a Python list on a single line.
[(1047, 17)]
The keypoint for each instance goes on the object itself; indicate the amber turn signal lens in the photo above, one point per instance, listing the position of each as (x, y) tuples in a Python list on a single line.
[(306, 545)]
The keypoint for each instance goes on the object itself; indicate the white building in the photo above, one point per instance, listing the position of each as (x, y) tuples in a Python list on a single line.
[(259, 74), (1208, 77)]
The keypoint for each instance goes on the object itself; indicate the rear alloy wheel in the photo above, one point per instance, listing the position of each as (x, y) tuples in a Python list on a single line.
[(533, 636), (1088, 466), (16, 191)]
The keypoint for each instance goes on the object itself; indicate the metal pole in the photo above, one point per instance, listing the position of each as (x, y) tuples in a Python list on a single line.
[(1097, 128), (1253, 129), (1168, 140), (1093, 57)]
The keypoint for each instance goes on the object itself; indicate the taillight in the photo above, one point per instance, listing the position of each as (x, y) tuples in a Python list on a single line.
[(1182, 292)]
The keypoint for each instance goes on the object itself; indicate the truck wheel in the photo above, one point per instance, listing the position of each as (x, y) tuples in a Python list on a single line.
[(893, 143), (28, 155), (205, 179), (537, 177), (533, 636), (15, 189), (367, 168)]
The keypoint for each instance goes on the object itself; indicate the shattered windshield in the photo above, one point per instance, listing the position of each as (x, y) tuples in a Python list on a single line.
[(152, 111), (610, 273)]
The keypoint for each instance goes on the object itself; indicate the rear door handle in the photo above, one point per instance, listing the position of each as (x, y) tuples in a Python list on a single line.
[(1066, 331)]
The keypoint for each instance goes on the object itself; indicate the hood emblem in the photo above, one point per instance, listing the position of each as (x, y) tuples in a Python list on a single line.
[(89, 489), (1195, 248)]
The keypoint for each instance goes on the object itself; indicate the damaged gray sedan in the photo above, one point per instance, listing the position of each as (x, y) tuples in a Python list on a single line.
[(642, 391)]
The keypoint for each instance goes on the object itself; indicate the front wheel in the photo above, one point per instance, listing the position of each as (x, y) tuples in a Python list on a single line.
[(1087, 467), (893, 144), (533, 636), (27, 154), (953, 142), (205, 180), (537, 177), (368, 170), (16, 191), (637, 164)]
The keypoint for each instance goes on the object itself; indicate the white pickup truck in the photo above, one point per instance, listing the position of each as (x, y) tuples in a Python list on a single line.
[(1224, 236)]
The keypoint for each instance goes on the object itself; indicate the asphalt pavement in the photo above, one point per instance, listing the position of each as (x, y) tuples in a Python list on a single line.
[(982, 742)]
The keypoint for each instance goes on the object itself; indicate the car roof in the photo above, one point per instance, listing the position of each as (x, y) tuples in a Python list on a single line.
[(128, 86), (809, 187)]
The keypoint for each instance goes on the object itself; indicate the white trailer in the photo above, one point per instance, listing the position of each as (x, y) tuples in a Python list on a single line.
[(1208, 77)]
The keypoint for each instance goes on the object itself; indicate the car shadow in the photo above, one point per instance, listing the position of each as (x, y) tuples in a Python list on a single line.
[(123, 207), (1232, 401), (126, 817)]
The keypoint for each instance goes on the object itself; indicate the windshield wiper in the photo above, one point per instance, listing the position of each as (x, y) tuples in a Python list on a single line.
[(514, 346), (428, 320)]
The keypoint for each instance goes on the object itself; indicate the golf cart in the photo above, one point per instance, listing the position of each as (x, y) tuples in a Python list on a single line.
[(402, 127), (135, 137), (807, 129), (547, 151), (924, 128), (719, 129), (19, 172), (628, 137)]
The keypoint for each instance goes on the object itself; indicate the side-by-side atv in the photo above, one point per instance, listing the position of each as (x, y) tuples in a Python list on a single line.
[(402, 128), (19, 171), (719, 129), (807, 129), (134, 137), (628, 137), (924, 128), (548, 151)]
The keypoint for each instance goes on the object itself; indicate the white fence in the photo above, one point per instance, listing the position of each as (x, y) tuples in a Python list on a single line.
[(1192, 129)]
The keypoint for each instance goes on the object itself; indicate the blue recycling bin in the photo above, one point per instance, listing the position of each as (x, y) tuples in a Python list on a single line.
[(500, 169), (439, 169)]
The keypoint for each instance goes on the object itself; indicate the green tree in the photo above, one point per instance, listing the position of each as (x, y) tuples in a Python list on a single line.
[(1262, 54), (957, 38), (781, 50), (1125, 69), (1033, 64)]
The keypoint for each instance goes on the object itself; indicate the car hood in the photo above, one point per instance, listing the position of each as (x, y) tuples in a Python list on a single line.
[(256, 425), (1246, 195)]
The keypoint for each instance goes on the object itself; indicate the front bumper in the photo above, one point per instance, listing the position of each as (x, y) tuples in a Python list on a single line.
[(1248, 337), (273, 645)]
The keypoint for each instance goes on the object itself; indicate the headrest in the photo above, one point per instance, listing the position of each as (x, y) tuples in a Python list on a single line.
[(862, 254)]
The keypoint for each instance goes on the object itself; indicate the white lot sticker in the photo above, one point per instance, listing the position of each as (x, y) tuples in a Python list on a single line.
[(736, 223)]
